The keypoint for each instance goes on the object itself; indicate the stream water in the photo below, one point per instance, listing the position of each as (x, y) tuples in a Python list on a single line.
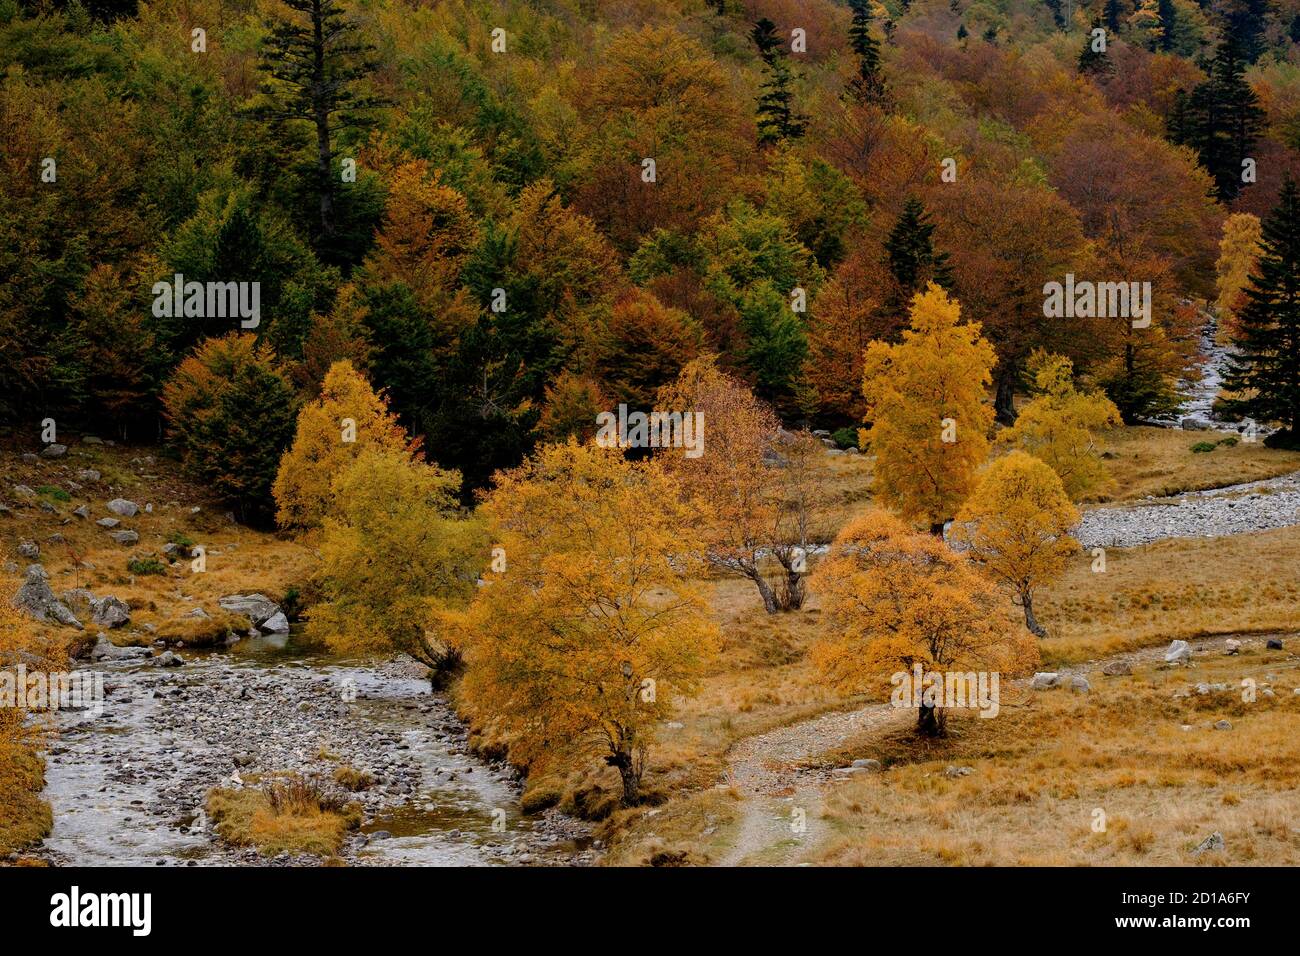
[(127, 787)]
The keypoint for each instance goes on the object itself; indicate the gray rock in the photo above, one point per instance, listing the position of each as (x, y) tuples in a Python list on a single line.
[(1079, 684), (29, 550), (36, 599), (1223, 725), (868, 763), (120, 506), (1211, 844), (1045, 680), (1179, 652), (258, 608), (953, 771), (277, 623), (91, 440), (110, 612), (88, 474), (106, 650), (108, 522), (1117, 669), (1274, 644), (169, 659), (1231, 647), (24, 491), (124, 537), (1193, 425), (82, 512), (54, 451)]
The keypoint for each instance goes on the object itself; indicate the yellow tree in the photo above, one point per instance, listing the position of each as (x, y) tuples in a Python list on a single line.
[(731, 484), (398, 555), (347, 419), (1060, 424), (928, 407), (1017, 526), (594, 627), (893, 598), (1238, 252)]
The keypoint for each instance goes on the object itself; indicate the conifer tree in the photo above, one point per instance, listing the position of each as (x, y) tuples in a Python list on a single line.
[(1092, 59), (869, 84), (777, 117), (315, 66), (1223, 119), (913, 260), (1267, 362)]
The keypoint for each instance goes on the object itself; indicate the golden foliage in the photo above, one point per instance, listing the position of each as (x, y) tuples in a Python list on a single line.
[(397, 553), (892, 598), (594, 628), (1238, 251), (325, 443), (1059, 424), (921, 391), (1017, 524)]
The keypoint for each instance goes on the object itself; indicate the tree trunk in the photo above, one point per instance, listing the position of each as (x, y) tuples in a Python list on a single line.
[(1004, 399), (1031, 622), (324, 155), (931, 722), (622, 759), (765, 589)]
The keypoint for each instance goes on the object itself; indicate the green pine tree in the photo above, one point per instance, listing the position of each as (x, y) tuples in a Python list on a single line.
[(777, 118), (869, 84), (313, 64), (1266, 367), (1093, 59), (913, 260), (1224, 119)]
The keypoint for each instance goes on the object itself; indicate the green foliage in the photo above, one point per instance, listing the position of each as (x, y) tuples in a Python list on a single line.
[(1202, 447), (146, 566)]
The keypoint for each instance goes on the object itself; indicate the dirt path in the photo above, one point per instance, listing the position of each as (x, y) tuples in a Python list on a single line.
[(765, 769)]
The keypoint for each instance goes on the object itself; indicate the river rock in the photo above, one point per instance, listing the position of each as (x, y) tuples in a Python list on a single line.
[(120, 506), (277, 623), (106, 650), (169, 659), (1179, 652), (110, 612), (36, 599), (260, 610)]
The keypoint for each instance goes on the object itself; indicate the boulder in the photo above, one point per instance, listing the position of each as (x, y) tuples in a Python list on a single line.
[(29, 550), (1079, 684), (120, 506), (258, 608), (1045, 680), (1117, 669), (54, 451), (82, 512), (1194, 425), (24, 491), (108, 522), (953, 771), (36, 599), (277, 623), (1222, 725), (1211, 844), (1274, 644), (169, 659), (106, 650), (1231, 647), (867, 763), (124, 537), (110, 612), (88, 474), (1179, 652)]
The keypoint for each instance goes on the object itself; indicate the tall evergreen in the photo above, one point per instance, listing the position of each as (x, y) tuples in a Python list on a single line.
[(869, 84), (1113, 12), (315, 61), (1266, 367), (1092, 60), (777, 117), (1168, 15), (1223, 119), (912, 257)]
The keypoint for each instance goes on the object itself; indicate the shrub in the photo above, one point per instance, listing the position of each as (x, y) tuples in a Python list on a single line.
[(58, 494), (1229, 442), (232, 411), (1204, 446), (845, 437), (146, 566)]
